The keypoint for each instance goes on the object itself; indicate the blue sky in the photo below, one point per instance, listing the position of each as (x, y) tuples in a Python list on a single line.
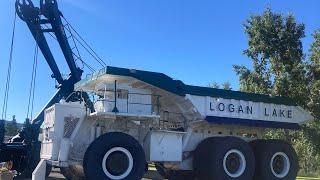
[(194, 41)]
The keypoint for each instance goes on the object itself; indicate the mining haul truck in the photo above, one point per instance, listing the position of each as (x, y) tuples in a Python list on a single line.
[(113, 123)]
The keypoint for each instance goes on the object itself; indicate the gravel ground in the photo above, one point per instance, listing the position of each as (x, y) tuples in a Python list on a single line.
[(55, 175)]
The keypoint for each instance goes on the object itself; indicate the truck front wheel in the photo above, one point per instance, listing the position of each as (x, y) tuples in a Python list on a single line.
[(275, 159), (219, 158), (114, 156)]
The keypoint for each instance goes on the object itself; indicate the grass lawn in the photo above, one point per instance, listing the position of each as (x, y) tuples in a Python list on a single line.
[(152, 168)]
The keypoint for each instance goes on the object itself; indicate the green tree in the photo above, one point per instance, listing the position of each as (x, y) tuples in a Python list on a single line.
[(275, 49), (214, 85), (314, 75), (280, 69), (312, 129), (226, 85), (12, 127)]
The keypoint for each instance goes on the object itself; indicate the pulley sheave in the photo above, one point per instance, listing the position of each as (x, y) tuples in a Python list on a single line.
[(26, 10), (47, 6)]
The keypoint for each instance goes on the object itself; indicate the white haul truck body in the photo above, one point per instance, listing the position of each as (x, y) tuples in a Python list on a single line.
[(188, 132)]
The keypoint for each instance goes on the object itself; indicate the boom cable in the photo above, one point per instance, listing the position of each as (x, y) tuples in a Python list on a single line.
[(34, 80), (7, 88), (86, 45), (75, 46), (84, 63), (33, 83), (79, 58), (88, 50)]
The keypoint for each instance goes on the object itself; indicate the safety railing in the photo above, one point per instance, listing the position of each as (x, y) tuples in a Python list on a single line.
[(131, 103)]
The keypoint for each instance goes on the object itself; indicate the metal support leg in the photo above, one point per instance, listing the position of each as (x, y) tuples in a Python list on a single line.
[(115, 109)]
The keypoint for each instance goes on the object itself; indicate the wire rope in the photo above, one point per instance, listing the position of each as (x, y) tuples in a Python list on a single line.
[(94, 54), (86, 64), (7, 88), (32, 83)]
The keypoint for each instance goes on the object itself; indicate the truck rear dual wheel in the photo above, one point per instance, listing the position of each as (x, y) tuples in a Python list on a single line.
[(114, 156), (275, 160), (221, 158)]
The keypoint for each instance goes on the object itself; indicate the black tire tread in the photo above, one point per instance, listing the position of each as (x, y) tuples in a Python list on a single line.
[(264, 150), (213, 149), (95, 152)]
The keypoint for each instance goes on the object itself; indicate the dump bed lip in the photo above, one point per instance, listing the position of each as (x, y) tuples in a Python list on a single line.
[(252, 123), (177, 87)]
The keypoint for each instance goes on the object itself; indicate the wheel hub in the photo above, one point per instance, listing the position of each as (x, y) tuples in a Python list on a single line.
[(117, 163), (234, 163), (280, 164)]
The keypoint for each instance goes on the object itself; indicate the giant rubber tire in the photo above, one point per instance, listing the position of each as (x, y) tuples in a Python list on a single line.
[(94, 156), (209, 155), (264, 150), (71, 173)]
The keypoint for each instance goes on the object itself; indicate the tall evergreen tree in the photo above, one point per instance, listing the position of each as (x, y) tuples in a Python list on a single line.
[(275, 48), (280, 68), (314, 75)]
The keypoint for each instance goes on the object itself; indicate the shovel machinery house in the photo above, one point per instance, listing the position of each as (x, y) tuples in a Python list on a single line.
[(115, 122)]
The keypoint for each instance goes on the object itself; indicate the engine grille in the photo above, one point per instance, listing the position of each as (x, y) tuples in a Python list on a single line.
[(70, 124)]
